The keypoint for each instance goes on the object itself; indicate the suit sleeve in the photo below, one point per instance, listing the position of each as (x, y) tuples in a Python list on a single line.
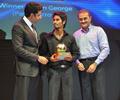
[(18, 45)]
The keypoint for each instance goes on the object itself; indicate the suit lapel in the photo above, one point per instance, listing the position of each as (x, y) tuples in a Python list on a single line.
[(29, 31)]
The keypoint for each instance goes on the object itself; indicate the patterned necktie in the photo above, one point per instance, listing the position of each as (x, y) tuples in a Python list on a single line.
[(34, 31)]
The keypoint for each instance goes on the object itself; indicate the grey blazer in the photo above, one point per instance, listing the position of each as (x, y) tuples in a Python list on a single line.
[(26, 49)]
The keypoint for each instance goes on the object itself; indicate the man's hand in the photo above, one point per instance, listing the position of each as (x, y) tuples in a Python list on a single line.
[(54, 58), (42, 60), (81, 66), (68, 57), (92, 68)]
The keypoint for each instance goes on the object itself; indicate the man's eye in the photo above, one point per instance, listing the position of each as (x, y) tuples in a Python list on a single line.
[(57, 19), (81, 19)]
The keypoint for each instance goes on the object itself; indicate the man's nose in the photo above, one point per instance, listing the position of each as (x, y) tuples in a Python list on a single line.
[(54, 22), (82, 20)]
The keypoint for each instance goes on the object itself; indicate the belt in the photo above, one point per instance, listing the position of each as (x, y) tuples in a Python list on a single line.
[(60, 67), (63, 66), (88, 59)]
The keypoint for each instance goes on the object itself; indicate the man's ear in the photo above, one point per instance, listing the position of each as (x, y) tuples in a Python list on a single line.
[(31, 14), (64, 22), (90, 18)]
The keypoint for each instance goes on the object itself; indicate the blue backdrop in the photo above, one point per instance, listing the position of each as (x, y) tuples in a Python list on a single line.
[(105, 12)]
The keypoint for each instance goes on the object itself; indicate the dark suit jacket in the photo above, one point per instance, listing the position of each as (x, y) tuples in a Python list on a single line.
[(26, 49)]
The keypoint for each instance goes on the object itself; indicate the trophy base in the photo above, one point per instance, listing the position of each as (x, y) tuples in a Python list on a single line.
[(61, 55)]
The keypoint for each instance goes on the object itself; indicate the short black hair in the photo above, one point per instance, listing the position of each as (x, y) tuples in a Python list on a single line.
[(82, 11), (32, 7), (62, 15)]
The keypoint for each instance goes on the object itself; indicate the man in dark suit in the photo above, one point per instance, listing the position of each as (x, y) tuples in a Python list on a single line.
[(25, 43)]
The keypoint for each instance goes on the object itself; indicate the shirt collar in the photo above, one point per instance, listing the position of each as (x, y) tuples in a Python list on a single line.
[(86, 31), (52, 33), (27, 21)]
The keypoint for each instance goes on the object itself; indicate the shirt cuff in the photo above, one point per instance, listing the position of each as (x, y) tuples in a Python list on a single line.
[(97, 62), (77, 61)]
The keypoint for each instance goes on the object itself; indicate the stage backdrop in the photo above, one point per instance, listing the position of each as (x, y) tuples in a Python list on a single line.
[(104, 11)]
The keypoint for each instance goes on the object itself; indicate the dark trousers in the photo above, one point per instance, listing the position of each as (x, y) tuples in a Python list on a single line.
[(44, 81), (93, 85), (60, 82), (26, 88)]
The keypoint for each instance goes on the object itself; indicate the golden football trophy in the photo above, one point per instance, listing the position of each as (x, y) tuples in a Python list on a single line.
[(61, 51)]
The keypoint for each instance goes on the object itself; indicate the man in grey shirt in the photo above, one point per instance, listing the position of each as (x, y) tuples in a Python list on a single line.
[(94, 48)]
